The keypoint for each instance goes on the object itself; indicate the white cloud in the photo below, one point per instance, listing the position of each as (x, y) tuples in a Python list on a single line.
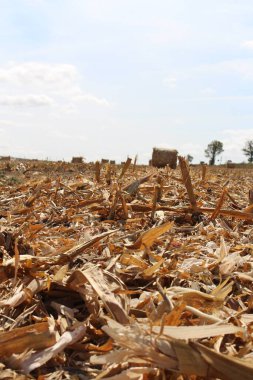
[(43, 84), (38, 73), (26, 100), (92, 99), (247, 44), (241, 67), (170, 82), (234, 141), (237, 137)]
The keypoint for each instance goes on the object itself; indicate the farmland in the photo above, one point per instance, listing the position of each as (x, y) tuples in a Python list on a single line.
[(125, 271)]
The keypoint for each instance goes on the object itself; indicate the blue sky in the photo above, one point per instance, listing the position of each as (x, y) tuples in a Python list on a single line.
[(111, 78)]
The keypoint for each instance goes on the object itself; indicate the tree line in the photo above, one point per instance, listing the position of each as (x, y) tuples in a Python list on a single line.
[(215, 148)]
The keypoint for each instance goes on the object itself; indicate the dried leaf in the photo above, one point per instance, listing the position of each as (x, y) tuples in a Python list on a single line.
[(38, 359), (148, 237), (36, 337)]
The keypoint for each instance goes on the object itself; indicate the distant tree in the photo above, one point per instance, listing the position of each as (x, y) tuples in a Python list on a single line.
[(248, 150), (213, 150), (189, 158)]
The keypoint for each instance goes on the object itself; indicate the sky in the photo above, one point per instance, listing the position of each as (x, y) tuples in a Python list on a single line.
[(115, 78)]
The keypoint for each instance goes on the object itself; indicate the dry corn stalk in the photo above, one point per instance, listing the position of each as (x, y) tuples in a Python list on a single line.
[(203, 172), (34, 337), (97, 171), (187, 181), (219, 204), (73, 263), (182, 356), (125, 167)]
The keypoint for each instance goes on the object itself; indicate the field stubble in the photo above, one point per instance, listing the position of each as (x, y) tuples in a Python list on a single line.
[(125, 272)]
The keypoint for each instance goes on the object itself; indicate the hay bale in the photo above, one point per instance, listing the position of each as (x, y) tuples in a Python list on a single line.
[(104, 161), (231, 165), (164, 157), (112, 162), (77, 160), (5, 158)]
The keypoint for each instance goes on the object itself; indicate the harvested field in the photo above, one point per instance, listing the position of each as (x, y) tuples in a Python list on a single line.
[(131, 273)]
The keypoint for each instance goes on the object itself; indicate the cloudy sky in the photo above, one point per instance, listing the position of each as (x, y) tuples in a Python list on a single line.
[(111, 78)]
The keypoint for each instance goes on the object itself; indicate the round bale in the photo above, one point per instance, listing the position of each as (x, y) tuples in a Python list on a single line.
[(163, 157)]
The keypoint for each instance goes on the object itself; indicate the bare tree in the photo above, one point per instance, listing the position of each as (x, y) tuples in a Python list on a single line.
[(248, 150), (213, 150), (189, 158)]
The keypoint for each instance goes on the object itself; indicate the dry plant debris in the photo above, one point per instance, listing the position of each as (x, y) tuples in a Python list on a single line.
[(125, 272)]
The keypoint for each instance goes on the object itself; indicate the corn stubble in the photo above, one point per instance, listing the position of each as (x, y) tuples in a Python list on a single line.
[(125, 272)]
